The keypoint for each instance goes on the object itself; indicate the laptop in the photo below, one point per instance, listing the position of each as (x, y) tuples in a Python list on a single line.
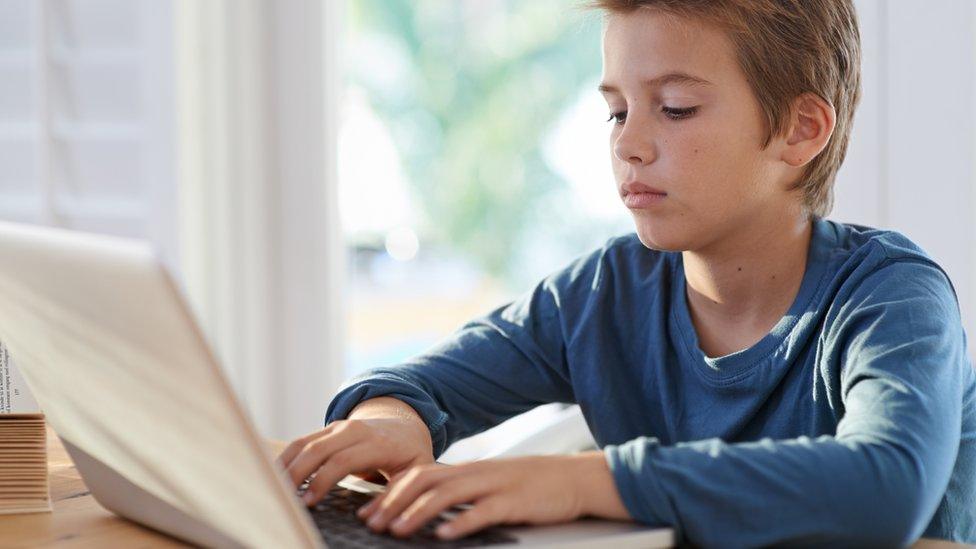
[(107, 344)]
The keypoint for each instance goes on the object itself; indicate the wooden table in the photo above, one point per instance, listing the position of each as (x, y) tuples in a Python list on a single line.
[(79, 521)]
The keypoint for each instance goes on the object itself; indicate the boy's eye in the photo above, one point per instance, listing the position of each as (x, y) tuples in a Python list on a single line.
[(670, 112), (678, 114), (619, 117)]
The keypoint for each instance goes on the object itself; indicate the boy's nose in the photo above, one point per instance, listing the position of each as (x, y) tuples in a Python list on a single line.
[(633, 145)]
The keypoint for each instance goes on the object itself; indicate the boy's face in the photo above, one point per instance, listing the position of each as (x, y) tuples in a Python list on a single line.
[(707, 159)]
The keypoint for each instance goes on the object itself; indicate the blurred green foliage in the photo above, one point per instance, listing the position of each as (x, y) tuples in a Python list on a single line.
[(469, 89)]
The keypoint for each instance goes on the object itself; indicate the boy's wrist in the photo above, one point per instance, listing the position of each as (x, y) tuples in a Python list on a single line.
[(597, 489)]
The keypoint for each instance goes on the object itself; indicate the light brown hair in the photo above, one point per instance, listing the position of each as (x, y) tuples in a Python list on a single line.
[(786, 48)]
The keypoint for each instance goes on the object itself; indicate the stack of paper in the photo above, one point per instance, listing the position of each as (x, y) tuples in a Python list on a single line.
[(23, 445)]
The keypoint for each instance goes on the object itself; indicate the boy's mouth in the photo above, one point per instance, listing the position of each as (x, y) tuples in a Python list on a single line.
[(641, 201), (636, 187)]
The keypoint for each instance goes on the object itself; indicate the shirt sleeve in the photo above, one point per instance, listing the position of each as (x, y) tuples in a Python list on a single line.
[(876, 482), (493, 368)]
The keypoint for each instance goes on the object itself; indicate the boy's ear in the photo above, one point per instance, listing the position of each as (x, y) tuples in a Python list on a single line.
[(812, 123)]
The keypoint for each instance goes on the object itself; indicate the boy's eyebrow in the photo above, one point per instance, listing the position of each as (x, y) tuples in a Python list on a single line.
[(669, 78)]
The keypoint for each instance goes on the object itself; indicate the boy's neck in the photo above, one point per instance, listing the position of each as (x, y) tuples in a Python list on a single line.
[(740, 287)]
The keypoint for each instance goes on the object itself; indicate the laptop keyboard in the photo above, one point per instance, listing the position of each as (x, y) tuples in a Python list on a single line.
[(335, 517)]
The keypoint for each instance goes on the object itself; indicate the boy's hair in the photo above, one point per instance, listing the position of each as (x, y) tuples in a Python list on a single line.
[(786, 48)]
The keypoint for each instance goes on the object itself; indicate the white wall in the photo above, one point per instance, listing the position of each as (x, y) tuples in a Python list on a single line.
[(911, 165)]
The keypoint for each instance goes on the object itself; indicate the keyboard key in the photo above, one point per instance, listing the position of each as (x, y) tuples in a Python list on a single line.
[(335, 517)]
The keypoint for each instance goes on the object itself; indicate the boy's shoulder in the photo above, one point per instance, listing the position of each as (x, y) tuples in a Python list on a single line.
[(874, 249), (628, 241), (852, 237), (882, 265), (626, 251), (616, 250), (622, 258)]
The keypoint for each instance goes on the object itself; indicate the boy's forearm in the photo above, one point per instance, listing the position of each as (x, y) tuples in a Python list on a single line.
[(389, 407)]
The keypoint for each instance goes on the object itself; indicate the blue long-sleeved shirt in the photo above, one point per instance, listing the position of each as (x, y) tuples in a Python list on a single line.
[(852, 422)]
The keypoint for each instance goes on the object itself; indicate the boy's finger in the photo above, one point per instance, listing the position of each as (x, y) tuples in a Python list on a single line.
[(430, 504), (366, 510), (486, 512), (340, 464), (290, 451), (318, 451), (405, 490)]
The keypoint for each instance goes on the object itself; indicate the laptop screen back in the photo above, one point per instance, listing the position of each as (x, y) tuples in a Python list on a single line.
[(113, 356)]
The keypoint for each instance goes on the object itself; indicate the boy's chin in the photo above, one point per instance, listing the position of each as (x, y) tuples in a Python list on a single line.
[(658, 236)]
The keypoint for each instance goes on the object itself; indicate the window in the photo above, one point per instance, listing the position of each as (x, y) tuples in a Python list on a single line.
[(473, 162)]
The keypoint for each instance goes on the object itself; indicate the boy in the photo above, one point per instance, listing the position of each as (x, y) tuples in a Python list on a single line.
[(754, 373)]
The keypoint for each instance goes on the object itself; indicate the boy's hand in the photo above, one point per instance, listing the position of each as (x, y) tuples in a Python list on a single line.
[(358, 445), (534, 490)]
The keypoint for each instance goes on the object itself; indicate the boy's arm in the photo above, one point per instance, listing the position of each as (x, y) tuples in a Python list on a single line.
[(494, 367), (878, 481)]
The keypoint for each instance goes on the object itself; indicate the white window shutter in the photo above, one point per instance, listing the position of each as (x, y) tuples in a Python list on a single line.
[(86, 138)]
